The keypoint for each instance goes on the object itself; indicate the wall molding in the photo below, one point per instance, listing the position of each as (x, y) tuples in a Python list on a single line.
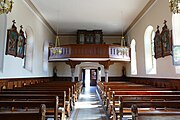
[(36, 11), (140, 15)]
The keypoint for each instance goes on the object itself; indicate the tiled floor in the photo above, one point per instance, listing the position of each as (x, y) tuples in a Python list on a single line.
[(88, 106)]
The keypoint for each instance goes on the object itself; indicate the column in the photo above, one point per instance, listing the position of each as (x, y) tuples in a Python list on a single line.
[(72, 74), (73, 66), (106, 71), (98, 75), (106, 65)]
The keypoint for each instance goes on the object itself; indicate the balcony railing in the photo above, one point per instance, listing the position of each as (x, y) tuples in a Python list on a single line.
[(89, 51)]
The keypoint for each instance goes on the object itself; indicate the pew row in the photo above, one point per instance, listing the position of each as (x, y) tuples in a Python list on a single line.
[(105, 89), (50, 88), (28, 115), (156, 114), (40, 95), (30, 102), (123, 105)]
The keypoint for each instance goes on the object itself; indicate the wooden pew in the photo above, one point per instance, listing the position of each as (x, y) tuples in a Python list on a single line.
[(13, 95), (165, 114), (52, 106), (101, 85), (104, 87), (131, 91), (109, 93), (115, 94), (69, 95), (146, 101), (76, 86), (53, 88), (28, 115)]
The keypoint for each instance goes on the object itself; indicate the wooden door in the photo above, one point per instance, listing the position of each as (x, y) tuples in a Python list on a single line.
[(83, 77), (93, 77)]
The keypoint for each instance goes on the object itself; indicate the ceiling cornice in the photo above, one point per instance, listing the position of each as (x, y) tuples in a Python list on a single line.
[(31, 5), (140, 15)]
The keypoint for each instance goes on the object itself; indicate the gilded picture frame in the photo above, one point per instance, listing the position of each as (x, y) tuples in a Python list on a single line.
[(11, 43), (166, 38), (158, 44)]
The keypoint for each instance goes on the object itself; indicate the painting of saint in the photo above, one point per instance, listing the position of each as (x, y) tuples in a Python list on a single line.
[(20, 44), (11, 44), (157, 44), (166, 40)]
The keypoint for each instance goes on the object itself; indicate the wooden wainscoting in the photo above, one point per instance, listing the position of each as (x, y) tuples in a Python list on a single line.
[(10, 83), (157, 82)]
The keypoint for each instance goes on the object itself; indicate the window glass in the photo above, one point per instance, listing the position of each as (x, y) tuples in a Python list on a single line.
[(133, 58), (3, 23), (150, 61)]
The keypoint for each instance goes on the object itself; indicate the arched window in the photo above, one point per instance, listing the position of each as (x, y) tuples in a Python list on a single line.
[(28, 61), (3, 23), (150, 61), (176, 35), (45, 56), (133, 58)]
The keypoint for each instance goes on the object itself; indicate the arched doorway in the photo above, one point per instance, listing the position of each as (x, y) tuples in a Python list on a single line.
[(89, 77), (90, 73)]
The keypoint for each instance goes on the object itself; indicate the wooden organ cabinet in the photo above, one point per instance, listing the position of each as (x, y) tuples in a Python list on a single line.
[(89, 37)]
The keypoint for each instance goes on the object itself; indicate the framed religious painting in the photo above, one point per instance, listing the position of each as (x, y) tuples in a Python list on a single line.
[(157, 44), (11, 43), (93, 74), (93, 77), (166, 38), (20, 43)]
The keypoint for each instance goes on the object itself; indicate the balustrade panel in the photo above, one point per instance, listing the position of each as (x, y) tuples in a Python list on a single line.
[(89, 51)]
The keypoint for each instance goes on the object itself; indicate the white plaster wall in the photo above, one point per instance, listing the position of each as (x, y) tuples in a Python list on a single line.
[(111, 39), (68, 40), (155, 16), (64, 70), (116, 69), (13, 66)]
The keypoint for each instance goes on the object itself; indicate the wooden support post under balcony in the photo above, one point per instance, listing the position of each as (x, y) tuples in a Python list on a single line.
[(106, 65), (73, 66)]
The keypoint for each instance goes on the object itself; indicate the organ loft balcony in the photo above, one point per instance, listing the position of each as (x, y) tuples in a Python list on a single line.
[(89, 52), (90, 48)]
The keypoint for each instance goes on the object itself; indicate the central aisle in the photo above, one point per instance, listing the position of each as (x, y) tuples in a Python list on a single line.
[(88, 106)]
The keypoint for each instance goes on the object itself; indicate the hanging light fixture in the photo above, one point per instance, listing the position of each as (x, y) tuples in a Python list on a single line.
[(5, 6), (174, 6), (122, 39), (57, 42)]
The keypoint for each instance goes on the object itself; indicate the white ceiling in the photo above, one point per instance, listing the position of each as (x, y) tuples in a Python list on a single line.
[(67, 16)]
